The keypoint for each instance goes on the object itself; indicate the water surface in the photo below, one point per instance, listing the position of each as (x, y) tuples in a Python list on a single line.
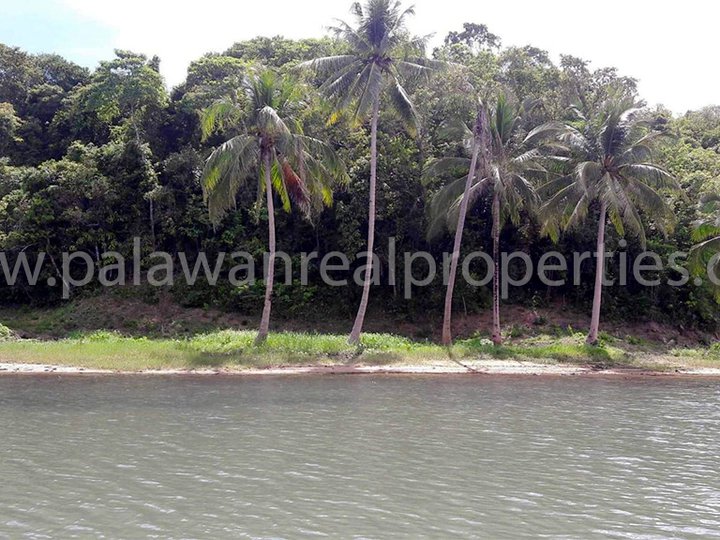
[(359, 457)]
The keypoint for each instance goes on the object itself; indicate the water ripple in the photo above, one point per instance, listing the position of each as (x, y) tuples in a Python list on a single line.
[(359, 457)]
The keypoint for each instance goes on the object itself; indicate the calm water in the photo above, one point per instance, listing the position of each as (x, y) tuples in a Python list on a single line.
[(359, 457)]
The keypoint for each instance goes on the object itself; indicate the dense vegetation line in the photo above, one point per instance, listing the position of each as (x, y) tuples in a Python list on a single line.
[(92, 160)]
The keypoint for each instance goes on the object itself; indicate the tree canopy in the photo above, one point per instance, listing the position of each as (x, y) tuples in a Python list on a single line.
[(90, 159)]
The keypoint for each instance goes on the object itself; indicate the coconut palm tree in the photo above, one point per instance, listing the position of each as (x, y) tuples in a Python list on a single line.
[(612, 149), (706, 234), (272, 150), (377, 62), (497, 170), (439, 206)]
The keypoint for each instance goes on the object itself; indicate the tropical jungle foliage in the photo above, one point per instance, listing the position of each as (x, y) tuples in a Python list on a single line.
[(340, 143)]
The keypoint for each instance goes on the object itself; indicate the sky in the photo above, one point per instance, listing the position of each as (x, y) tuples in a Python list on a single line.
[(671, 47)]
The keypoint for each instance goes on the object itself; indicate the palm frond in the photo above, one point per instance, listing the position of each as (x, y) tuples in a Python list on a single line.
[(329, 64), (651, 174), (705, 231), (456, 129), (404, 107), (217, 116), (370, 94), (440, 205), (381, 50), (440, 167), (278, 182), (303, 169), (415, 69), (701, 254), (478, 189), (270, 123), (226, 170)]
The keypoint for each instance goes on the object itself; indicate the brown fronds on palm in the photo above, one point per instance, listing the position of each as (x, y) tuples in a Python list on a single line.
[(271, 150), (612, 150), (302, 168)]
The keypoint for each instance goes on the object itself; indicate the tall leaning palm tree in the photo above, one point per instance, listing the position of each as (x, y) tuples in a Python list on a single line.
[(272, 150), (354, 82), (497, 170), (613, 150)]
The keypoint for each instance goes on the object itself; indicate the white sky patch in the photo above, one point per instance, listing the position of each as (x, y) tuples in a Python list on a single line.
[(670, 48)]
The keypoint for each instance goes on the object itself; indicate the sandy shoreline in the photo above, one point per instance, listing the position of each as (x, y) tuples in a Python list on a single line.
[(484, 367)]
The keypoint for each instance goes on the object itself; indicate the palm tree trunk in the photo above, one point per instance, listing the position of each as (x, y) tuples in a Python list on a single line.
[(447, 317), (269, 278), (592, 338), (152, 223), (360, 317), (496, 333)]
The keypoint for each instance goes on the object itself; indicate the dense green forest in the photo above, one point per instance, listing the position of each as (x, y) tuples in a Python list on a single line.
[(90, 160)]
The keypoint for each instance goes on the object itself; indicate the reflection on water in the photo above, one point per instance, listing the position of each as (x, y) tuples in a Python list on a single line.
[(358, 457)]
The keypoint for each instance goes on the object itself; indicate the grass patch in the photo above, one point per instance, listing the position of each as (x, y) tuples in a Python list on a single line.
[(229, 348), (236, 349), (113, 333), (569, 350), (698, 357)]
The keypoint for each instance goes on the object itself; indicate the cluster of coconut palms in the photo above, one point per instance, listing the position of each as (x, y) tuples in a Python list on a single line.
[(610, 155)]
